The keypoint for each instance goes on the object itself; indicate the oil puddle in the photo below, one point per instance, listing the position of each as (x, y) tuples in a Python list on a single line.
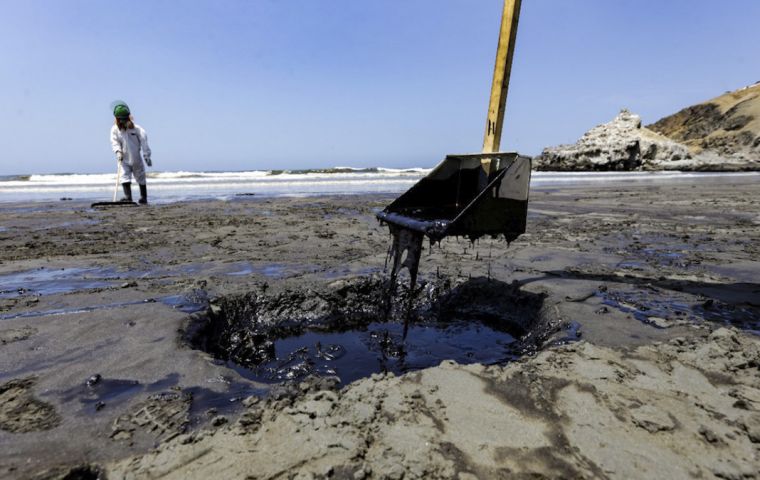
[(72, 310), (94, 396), (97, 392), (195, 300), (346, 329), (239, 269), (379, 348), (192, 302), (207, 403), (51, 281), (662, 258), (348, 271), (666, 308), (569, 334), (272, 270), (655, 250)]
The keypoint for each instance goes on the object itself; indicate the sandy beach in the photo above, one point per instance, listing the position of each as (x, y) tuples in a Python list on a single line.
[(630, 314)]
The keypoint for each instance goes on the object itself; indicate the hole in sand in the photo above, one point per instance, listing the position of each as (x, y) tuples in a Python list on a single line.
[(84, 472), (348, 330)]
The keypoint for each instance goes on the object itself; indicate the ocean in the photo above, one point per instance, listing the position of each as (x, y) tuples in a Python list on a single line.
[(166, 187)]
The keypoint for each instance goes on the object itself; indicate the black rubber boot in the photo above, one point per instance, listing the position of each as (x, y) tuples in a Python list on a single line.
[(143, 195), (127, 187)]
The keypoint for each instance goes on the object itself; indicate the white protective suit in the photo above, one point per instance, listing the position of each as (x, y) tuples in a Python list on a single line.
[(129, 142)]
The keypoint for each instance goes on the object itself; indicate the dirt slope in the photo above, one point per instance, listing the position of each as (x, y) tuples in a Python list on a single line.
[(728, 125)]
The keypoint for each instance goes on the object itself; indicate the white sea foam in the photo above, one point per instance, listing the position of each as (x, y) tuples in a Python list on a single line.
[(209, 175), (172, 186)]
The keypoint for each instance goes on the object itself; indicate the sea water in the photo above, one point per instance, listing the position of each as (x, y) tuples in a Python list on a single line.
[(166, 187)]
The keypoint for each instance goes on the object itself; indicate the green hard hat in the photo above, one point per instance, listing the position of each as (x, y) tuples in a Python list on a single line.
[(120, 109)]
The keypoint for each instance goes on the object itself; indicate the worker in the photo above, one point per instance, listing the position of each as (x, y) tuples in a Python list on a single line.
[(127, 139)]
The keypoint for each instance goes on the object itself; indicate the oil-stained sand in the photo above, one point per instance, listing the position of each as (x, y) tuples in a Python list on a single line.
[(664, 382)]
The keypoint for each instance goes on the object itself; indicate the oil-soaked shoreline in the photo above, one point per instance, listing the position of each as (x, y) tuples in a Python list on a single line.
[(116, 293)]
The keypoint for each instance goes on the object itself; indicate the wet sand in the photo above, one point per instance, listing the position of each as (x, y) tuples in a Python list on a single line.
[(658, 286)]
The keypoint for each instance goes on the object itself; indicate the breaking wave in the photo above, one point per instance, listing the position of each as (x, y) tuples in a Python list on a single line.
[(174, 186)]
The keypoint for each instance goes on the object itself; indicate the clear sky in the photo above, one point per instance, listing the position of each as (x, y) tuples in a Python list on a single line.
[(264, 84)]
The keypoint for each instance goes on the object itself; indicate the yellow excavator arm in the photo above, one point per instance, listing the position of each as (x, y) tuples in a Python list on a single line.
[(501, 72), (500, 85)]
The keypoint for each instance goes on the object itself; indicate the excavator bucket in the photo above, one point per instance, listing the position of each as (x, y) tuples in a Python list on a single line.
[(467, 195), (458, 198)]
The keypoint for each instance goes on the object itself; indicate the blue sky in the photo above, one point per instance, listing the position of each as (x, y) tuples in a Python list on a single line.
[(262, 84)]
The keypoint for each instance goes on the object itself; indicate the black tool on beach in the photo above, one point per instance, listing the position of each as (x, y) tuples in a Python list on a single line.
[(467, 195)]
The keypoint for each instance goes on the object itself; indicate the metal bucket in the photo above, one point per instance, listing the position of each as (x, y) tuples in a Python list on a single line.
[(459, 198)]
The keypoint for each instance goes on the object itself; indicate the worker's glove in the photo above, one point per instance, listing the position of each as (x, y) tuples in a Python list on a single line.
[(148, 161), (119, 156)]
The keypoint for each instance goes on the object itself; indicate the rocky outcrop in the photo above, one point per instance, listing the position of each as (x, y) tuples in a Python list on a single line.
[(727, 126), (621, 144)]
